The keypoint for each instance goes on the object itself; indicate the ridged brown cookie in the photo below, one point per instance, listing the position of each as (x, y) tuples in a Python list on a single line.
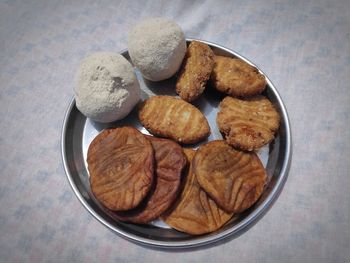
[(173, 118), (121, 166), (169, 163), (195, 71), (234, 179), (248, 124), (195, 212), (237, 78)]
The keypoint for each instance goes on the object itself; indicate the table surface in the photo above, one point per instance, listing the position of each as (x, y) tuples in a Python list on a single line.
[(304, 48)]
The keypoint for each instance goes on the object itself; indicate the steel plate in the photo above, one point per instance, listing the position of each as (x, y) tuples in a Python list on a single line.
[(78, 132)]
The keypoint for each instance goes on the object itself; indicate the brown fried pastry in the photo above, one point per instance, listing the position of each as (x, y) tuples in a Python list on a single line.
[(247, 124), (237, 78), (174, 118), (170, 161), (121, 166), (234, 179), (195, 212), (195, 71)]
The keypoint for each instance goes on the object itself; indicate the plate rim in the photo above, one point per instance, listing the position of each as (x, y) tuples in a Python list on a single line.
[(241, 226)]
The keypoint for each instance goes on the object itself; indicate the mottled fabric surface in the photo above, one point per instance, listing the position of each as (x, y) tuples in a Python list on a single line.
[(303, 46)]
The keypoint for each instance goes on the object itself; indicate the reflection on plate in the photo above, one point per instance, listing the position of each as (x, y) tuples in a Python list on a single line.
[(78, 132)]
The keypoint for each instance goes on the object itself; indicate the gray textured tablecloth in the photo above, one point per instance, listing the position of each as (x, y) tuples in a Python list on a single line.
[(304, 48)]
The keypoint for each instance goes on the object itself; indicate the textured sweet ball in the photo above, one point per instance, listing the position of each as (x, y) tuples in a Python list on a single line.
[(157, 47), (107, 88)]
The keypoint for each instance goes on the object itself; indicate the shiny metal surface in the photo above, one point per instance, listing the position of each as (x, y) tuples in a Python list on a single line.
[(78, 132)]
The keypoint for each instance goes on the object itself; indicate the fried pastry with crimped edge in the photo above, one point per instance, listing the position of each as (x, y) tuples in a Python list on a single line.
[(234, 179), (195, 212), (247, 124), (173, 118), (121, 166), (195, 71), (236, 77), (169, 163)]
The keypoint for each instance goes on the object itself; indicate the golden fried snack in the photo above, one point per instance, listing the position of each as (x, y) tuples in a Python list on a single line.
[(247, 124), (174, 118), (120, 163), (195, 71), (195, 212), (234, 179), (170, 160), (237, 78)]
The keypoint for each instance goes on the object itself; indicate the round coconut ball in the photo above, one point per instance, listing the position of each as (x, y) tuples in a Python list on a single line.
[(157, 47), (107, 88)]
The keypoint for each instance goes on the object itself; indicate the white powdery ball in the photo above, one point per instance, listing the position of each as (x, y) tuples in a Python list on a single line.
[(107, 88), (157, 47)]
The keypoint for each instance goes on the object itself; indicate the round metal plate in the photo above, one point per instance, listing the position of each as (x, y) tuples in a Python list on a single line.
[(78, 131)]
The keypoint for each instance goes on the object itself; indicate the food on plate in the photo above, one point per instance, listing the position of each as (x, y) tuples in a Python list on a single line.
[(234, 179), (195, 71), (107, 88), (121, 166), (248, 124), (174, 118), (195, 212), (141, 178), (169, 163), (157, 47), (237, 78)]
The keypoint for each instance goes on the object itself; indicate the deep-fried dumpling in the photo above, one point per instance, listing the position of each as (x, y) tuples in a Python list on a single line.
[(248, 124), (195, 71), (174, 118), (121, 164), (169, 162), (236, 77), (195, 212), (234, 179)]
